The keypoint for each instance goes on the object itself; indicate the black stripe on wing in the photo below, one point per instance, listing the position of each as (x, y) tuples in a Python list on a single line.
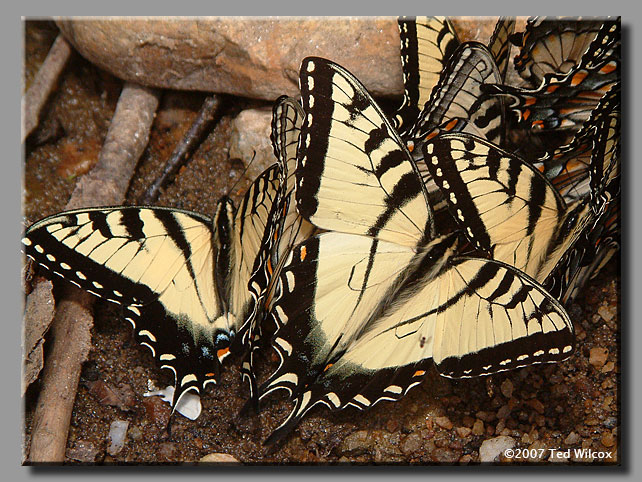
[(445, 159), (499, 44), (350, 154)]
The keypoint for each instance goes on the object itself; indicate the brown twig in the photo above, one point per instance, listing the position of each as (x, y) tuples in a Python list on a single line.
[(105, 184), (39, 314), (185, 147), (44, 83)]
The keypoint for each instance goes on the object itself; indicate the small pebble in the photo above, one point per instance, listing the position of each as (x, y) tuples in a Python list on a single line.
[(503, 412), (444, 422), (168, 452), (478, 427), (606, 312), (108, 394), (485, 416), (491, 449), (83, 451), (463, 431), (411, 444), (219, 458), (500, 426), (468, 421), (507, 388), (536, 405), (135, 433), (598, 357), (572, 439), (610, 422), (157, 411), (608, 367), (608, 440), (117, 433)]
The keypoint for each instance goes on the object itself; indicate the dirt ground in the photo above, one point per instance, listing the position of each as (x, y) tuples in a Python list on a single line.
[(571, 405)]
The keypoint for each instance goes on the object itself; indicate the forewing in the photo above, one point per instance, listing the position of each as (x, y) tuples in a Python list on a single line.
[(354, 174)]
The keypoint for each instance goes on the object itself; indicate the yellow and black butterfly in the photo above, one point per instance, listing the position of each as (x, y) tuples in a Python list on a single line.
[(369, 305), (442, 79), (181, 278)]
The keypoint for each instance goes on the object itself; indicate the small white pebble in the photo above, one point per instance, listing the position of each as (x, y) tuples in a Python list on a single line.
[(117, 433)]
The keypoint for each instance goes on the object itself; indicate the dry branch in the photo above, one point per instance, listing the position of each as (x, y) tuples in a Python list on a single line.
[(105, 184), (44, 83), (185, 147)]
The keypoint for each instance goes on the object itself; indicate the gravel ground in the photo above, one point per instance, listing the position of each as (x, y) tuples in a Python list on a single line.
[(563, 413)]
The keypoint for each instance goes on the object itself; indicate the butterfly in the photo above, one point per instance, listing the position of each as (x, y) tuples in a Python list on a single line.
[(442, 79), (371, 303), (181, 277), (456, 102), (499, 43), (426, 46)]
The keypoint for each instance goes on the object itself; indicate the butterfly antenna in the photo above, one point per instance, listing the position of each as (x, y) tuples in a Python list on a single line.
[(243, 174)]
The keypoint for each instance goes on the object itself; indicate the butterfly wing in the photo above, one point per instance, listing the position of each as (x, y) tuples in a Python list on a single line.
[(565, 101), (334, 311), (504, 205), (426, 45), (473, 316), (492, 317), (590, 162), (354, 174), (458, 95), (499, 45), (159, 265), (553, 45), (252, 220), (286, 228)]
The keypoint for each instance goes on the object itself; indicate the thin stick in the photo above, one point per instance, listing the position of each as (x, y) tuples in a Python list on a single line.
[(43, 84), (184, 149), (105, 184)]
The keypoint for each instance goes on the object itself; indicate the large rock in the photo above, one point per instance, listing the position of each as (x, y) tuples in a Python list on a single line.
[(257, 58)]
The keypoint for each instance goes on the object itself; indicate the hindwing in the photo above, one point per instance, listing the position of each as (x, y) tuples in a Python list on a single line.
[(565, 101), (286, 229), (348, 341), (499, 45), (504, 205), (553, 45), (458, 95)]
